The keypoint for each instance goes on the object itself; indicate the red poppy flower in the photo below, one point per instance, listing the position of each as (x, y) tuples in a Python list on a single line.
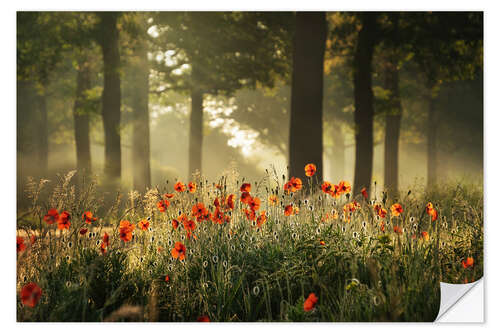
[(63, 221), (289, 210), (398, 230), (326, 187), (382, 226), (52, 216), (175, 224), (382, 212), (310, 302), (163, 205), (83, 231), (105, 239), (204, 319), (198, 209), (230, 201), (254, 204), (167, 278), (364, 193), (189, 225), (20, 246), (169, 195), (192, 187), (469, 262), (218, 216), (179, 187), (396, 209), (245, 197), (126, 229), (216, 202), (431, 211), (30, 294), (88, 217), (143, 225), (33, 239), (424, 235), (179, 251), (344, 187), (296, 184), (245, 187)]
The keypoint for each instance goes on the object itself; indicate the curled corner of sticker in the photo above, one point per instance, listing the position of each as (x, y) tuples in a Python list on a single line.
[(461, 303)]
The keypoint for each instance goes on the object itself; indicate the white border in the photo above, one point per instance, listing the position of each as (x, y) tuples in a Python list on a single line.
[(8, 139)]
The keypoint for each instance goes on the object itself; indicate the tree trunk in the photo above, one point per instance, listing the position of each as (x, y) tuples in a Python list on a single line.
[(43, 133), (140, 113), (111, 96), (81, 119), (363, 103), (392, 129), (306, 119), (195, 131), (432, 127)]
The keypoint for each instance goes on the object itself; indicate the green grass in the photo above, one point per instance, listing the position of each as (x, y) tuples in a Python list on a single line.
[(237, 272)]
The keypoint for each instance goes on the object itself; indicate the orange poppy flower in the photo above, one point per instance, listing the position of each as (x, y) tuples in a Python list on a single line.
[(261, 219), (167, 278), (322, 242), (179, 187), (63, 221), (289, 210), (20, 246), (52, 216), (179, 251), (169, 195), (83, 231), (296, 184), (203, 319), (88, 217), (105, 239), (273, 200), (431, 211), (30, 294), (310, 169), (335, 192), (469, 262), (32, 239), (382, 212), (344, 187), (396, 209), (424, 235), (310, 302), (189, 225), (143, 225), (126, 229), (245, 197), (364, 193), (398, 230), (254, 204), (219, 217), (163, 205), (326, 187), (245, 187), (192, 187), (382, 226)]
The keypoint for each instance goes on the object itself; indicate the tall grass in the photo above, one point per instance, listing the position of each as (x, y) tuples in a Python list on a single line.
[(237, 271)]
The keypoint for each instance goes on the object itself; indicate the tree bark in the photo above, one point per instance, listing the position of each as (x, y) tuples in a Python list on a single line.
[(392, 128), (111, 95), (43, 133), (81, 119), (195, 131), (140, 113), (432, 128), (306, 119), (363, 102)]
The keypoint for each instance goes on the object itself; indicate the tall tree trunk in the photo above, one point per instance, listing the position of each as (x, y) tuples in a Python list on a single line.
[(306, 119), (363, 102), (43, 132), (111, 95), (195, 131), (81, 118), (140, 113), (392, 128), (432, 127)]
